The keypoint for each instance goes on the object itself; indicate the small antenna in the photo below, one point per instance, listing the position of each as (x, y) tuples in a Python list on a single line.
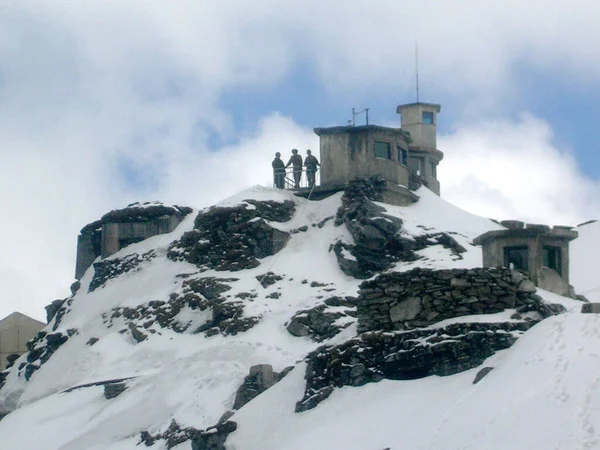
[(417, 68)]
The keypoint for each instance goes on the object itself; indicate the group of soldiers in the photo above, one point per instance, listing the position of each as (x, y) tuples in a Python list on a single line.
[(310, 162)]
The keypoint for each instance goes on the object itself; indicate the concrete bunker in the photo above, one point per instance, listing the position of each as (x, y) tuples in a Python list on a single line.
[(539, 250), (119, 228), (405, 157)]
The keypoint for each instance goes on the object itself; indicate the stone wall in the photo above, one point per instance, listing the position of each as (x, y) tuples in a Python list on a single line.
[(421, 297)]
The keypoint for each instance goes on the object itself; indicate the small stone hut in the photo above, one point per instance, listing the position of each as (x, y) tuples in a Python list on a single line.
[(122, 227), (539, 250), (15, 330)]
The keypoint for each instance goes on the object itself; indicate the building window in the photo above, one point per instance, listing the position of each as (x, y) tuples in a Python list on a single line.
[(552, 258), (382, 150), (416, 165), (516, 258), (402, 155), (433, 168), (428, 117)]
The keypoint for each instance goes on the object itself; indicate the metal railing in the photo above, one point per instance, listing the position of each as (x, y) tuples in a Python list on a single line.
[(289, 179)]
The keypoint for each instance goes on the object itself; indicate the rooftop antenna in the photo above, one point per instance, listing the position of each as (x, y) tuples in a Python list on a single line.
[(355, 113), (417, 68)]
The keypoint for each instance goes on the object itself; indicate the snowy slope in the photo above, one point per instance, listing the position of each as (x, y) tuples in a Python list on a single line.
[(552, 370), (584, 269)]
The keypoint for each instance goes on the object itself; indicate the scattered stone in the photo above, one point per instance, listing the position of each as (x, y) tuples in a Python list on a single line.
[(274, 295), (92, 341), (268, 279), (317, 284), (482, 373), (136, 334), (53, 308), (41, 348), (322, 223), (322, 322)]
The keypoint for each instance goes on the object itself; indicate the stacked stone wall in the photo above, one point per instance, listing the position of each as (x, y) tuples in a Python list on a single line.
[(421, 297)]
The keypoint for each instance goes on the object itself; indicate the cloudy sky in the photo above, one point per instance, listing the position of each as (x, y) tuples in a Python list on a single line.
[(103, 103)]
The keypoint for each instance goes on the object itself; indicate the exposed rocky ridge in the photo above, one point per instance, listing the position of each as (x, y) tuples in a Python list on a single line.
[(112, 268), (198, 294), (323, 321), (421, 297), (41, 348), (234, 238), (407, 355), (212, 438), (377, 239)]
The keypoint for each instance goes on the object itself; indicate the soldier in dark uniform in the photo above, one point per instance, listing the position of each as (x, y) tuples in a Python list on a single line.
[(296, 162), (311, 164), (278, 171)]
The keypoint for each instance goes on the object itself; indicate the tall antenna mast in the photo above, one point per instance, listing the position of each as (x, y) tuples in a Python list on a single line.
[(417, 68)]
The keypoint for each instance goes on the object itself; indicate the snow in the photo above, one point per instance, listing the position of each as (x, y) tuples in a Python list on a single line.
[(584, 253), (543, 391)]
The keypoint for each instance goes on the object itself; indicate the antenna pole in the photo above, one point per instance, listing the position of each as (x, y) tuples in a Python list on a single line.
[(417, 68)]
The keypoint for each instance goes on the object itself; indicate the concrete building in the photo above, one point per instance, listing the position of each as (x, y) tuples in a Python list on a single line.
[(349, 152), (420, 121), (120, 228), (539, 250), (15, 330)]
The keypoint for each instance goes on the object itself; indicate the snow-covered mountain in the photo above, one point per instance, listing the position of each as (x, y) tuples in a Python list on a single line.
[(156, 347)]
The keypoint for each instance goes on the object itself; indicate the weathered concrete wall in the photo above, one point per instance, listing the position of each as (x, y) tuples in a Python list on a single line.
[(15, 330), (422, 134), (349, 152), (118, 235)]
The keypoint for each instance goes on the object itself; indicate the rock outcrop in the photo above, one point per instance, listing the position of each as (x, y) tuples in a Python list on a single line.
[(323, 321), (260, 378), (234, 238)]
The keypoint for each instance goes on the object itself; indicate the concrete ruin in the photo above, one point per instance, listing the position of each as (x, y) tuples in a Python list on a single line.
[(15, 330), (405, 157), (120, 228), (540, 251)]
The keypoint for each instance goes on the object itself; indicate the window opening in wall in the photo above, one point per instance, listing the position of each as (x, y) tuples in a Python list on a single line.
[(402, 155), (382, 150), (552, 258), (516, 258), (433, 168), (416, 165), (428, 117)]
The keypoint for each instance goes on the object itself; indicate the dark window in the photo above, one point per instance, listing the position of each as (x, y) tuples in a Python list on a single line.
[(428, 117), (516, 258), (402, 155), (552, 258), (382, 150), (433, 168), (416, 165)]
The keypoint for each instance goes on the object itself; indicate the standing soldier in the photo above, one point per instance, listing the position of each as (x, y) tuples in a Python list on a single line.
[(296, 162), (278, 171), (311, 164)]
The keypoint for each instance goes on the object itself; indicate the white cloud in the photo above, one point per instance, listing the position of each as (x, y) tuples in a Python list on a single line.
[(92, 90), (513, 170)]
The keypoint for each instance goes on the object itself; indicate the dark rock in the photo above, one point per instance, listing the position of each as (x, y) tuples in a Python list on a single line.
[(41, 348), (112, 268), (268, 279), (136, 334), (53, 308), (319, 322), (92, 341), (214, 438), (113, 390), (234, 238), (11, 359), (482, 373), (75, 287)]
